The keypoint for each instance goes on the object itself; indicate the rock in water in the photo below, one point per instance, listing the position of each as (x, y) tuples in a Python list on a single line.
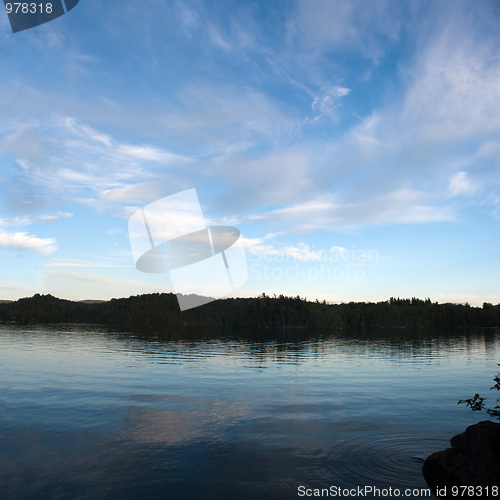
[(472, 460)]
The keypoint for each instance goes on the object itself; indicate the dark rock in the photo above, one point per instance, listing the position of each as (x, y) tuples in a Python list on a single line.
[(472, 460)]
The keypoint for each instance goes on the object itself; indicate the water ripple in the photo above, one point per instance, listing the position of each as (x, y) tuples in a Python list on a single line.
[(384, 460)]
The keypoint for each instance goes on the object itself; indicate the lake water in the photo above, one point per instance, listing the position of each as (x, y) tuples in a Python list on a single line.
[(88, 412)]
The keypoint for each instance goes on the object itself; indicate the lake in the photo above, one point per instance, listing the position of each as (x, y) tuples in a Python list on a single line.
[(91, 412)]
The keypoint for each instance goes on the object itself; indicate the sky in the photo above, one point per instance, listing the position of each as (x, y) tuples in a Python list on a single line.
[(355, 144)]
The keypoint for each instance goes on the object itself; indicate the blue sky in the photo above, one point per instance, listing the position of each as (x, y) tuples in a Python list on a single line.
[(355, 144)]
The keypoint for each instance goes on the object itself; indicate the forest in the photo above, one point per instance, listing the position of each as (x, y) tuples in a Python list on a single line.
[(160, 312)]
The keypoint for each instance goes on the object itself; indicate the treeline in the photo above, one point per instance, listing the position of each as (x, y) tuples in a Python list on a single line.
[(160, 312)]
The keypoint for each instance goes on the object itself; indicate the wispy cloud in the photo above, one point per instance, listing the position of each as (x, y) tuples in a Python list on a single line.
[(330, 212), (240, 136), (328, 102), (26, 220), (83, 265), (82, 162), (354, 25), (149, 153), (447, 92), (301, 252), (460, 184), (454, 91)]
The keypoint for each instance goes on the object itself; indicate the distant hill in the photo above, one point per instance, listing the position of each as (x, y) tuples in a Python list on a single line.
[(160, 312)]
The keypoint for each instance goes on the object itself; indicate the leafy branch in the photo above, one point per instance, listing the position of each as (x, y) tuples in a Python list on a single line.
[(477, 402)]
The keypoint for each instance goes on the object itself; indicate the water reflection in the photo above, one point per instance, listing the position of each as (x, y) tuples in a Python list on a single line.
[(92, 412)]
